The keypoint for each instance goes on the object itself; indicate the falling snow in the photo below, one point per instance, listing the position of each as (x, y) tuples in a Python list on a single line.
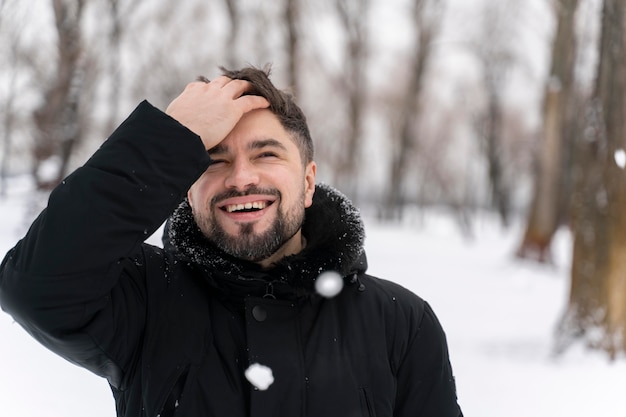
[(260, 376), (329, 284)]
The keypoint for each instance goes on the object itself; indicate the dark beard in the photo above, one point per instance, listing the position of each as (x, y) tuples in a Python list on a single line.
[(248, 245)]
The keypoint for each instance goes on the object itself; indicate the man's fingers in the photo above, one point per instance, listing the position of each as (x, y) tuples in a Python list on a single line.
[(230, 88), (248, 103), (220, 81), (236, 88)]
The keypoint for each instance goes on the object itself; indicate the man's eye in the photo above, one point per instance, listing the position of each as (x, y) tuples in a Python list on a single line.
[(268, 155)]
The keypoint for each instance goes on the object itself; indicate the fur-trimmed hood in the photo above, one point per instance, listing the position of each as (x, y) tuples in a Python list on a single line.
[(332, 227)]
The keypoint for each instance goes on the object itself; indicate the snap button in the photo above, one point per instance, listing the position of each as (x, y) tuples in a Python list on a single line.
[(259, 313)]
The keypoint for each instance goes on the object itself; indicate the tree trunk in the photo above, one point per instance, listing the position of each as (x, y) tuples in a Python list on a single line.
[(545, 212), (235, 25), (493, 47), (57, 119), (425, 30), (597, 304), (353, 16), (493, 138), (8, 123), (114, 59), (293, 41)]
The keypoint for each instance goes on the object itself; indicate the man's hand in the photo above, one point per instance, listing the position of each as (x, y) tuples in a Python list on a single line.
[(211, 110)]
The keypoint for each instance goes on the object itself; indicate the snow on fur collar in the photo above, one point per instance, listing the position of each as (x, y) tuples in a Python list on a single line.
[(332, 227)]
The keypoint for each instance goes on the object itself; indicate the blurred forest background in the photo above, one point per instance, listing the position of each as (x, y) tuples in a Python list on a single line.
[(514, 107)]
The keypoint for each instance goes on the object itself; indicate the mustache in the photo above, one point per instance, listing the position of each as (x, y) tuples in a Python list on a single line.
[(251, 190)]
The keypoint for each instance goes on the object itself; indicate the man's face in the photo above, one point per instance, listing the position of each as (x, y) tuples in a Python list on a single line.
[(250, 202)]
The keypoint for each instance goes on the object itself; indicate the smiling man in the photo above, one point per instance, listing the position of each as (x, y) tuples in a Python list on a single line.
[(177, 331)]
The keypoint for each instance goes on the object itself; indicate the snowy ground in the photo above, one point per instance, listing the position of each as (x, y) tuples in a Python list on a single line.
[(499, 315)]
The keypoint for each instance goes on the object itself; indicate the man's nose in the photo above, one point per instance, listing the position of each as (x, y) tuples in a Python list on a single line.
[(242, 175)]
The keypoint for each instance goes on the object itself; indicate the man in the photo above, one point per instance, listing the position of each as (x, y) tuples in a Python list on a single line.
[(175, 330)]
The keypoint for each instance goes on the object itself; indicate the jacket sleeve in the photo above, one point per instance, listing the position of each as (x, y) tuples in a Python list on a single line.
[(77, 281), (426, 386)]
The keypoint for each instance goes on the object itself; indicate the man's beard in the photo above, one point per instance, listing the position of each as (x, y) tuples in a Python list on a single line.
[(247, 244)]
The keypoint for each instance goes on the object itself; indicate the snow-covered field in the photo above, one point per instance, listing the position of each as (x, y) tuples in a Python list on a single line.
[(499, 315)]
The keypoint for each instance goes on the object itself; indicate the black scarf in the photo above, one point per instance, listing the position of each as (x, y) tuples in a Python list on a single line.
[(332, 228)]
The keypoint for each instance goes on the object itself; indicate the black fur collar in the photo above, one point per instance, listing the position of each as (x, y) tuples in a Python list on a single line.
[(333, 230)]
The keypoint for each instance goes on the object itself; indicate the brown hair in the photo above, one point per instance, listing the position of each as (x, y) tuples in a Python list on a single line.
[(282, 104)]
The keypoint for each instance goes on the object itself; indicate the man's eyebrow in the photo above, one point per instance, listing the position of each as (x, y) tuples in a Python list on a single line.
[(219, 148), (254, 145), (264, 143)]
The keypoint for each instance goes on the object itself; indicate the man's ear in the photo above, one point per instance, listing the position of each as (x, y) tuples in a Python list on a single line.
[(309, 183)]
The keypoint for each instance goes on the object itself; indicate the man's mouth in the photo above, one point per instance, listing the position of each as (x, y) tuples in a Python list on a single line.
[(246, 207)]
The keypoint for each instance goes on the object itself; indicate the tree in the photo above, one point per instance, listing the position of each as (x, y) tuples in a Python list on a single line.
[(57, 118), (426, 17), (8, 119), (494, 51), (353, 17), (234, 17), (119, 13), (596, 312), (291, 12), (546, 214)]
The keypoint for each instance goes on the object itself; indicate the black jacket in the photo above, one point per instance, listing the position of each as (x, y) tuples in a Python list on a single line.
[(174, 330)]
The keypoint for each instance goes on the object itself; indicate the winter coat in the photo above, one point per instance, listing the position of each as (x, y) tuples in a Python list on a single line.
[(174, 330)]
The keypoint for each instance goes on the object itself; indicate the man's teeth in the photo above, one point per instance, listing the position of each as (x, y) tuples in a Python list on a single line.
[(259, 205)]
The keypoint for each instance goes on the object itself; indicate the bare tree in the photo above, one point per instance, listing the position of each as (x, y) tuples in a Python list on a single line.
[(292, 9), (546, 214), (234, 17), (114, 58), (426, 18), (596, 312), (57, 118), (8, 124), (353, 17), (494, 51), (119, 13), (8, 112)]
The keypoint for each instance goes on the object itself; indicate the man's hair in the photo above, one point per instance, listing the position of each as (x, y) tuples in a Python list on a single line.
[(282, 104)]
